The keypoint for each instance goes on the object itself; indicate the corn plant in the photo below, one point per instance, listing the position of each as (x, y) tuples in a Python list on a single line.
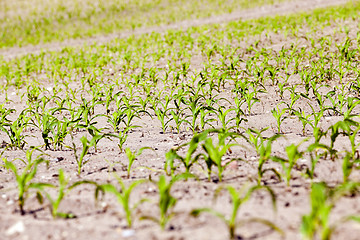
[(204, 119), (343, 127), (122, 195), (323, 199), (214, 153), (334, 103), (263, 149), (195, 105), (293, 154), (250, 99), (162, 115), (222, 114), (15, 130), (115, 119), (132, 157), (178, 116), (45, 122), (352, 102), (304, 119), (293, 98), (61, 130), (4, 113), (122, 135), (125, 114), (166, 201), (25, 178), (189, 160), (238, 198), (86, 145), (316, 151), (279, 116), (62, 190)]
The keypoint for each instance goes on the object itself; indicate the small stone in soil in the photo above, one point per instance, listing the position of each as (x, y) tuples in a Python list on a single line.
[(128, 233), (18, 227)]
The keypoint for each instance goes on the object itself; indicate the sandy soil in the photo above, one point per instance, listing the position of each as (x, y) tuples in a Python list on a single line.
[(105, 219)]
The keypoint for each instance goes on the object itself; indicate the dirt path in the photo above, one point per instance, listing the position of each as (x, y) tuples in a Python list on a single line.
[(263, 11)]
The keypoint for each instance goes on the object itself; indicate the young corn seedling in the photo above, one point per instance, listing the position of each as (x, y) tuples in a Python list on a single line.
[(238, 198), (335, 107), (132, 157), (347, 166), (273, 72), (279, 116), (131, 113), (204, 120), (281, 89), (122, 136), (86, 145), (351, 157), (24, 179), (222, 117), (115, 119), (166, 201), (16, 128), (293, 154), (189, 160), (250, 99), (178, 117), (214, 153), (316, 225), (343, 127), (61, 130), (239, 112), (293, 98), (263, 149), (162, 115), (45, 122), (4, 113), (317, 116), (62, 190), (122, 195), (352, 102), (316, 151), (195, 105), (90, 126)]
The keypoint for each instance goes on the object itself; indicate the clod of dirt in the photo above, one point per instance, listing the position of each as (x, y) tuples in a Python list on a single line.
[(57, 159), (3, 144), (238, 237)]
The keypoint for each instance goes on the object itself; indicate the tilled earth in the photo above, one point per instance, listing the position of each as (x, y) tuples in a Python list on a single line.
[(104, 219)]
